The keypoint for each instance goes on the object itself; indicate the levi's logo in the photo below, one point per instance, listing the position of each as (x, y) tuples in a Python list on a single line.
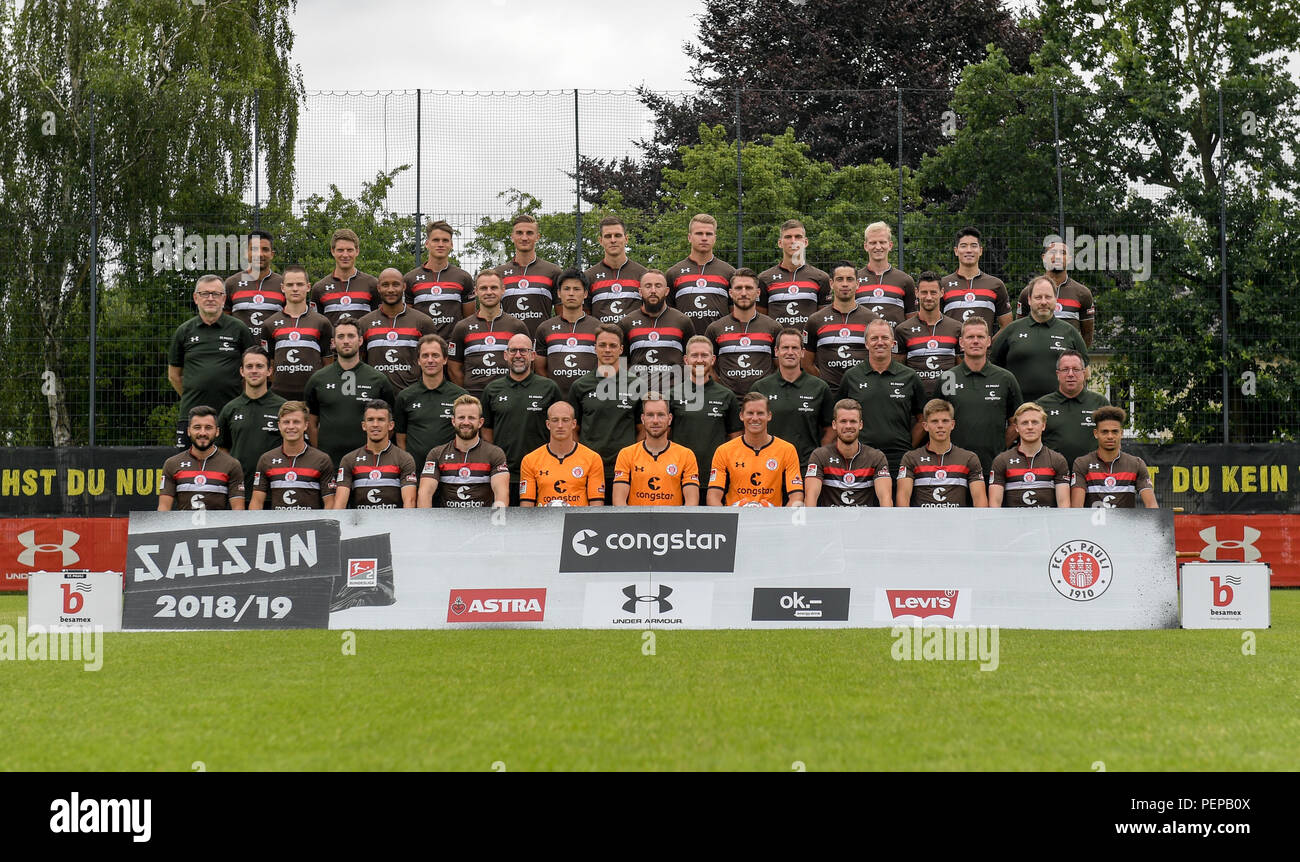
[(503, 606), (922, 603)]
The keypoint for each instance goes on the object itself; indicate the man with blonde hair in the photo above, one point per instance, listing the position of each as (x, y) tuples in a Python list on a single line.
[(1029, 475), (888, 292), (698, 283)]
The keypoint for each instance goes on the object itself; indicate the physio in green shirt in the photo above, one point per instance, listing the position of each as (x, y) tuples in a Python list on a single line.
[(250, 423)]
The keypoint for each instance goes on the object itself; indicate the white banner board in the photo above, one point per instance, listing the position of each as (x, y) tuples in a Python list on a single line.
[(1225, 595), (704, 568)]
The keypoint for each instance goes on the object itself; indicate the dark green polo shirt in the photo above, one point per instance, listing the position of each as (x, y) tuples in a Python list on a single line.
[(890, 402), (424, 416), (983, 401), (208, 355), (1029, 350), (1069, 422), (703, 418), (801, 410), (249, 428), (337, 398), (605, 424), (515, 410)]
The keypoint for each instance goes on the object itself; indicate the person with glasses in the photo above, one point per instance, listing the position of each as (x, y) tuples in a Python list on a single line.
[(1070, 408), (514, 407), (204, 356)]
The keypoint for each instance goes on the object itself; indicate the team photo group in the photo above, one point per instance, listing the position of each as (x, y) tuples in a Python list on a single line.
[(698, 384)]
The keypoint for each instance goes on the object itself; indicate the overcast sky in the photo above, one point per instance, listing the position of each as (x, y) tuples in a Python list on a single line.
[(494, 44)]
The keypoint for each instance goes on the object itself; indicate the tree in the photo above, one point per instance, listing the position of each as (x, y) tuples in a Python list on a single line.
[(172, 91), (828, 69)]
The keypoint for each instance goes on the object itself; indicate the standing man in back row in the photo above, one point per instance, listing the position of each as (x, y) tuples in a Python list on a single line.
[(970, 291), (529, 281), (347, 290), (393, 331), (615, 281), (1074, 302), (301, 340), (793, 289), (698, 286), (438, 287), (887, 292), (254, 294)]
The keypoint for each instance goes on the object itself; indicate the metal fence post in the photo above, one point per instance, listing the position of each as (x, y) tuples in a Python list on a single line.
[(94, 273), (577, 186), (898, 93), (418, 148), (1223, 262), (740, 192), (1060, 194)]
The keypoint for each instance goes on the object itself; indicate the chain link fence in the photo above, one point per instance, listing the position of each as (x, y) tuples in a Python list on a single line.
[(1176, 339)]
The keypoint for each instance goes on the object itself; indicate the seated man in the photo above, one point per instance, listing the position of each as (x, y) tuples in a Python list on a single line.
[(755, 469), (563, 472), (380, 474), (940, 474), (468, 472), (1029, 474), (656, 471)]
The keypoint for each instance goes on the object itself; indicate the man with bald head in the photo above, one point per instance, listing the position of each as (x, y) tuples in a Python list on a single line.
[(562, 472), (514, 406), (391, 334)]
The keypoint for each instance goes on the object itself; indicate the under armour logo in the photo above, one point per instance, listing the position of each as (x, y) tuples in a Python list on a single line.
[(28, 541), (662, 605), (1212, 544)]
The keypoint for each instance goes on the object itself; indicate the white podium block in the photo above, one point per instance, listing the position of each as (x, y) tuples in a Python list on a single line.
[(75, 600), (1225, 595)]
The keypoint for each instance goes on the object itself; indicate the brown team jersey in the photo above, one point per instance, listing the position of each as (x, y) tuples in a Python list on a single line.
[(574, 479), (1073, 303), (655, 343), (300, 344), (253, 300), (529, 290), (1110, 484), (700, 292), (355, 296), (480, 345), (941, 480), (847, 481), (465, 478), (746, 350), (440, 294), (838, 341), (376, 481), (891, 294), (790, 297), (615, 290), (393, 343), (1029, 480), (982, 296), (202, 483), (568, 348), (302, 481), (929, 349)]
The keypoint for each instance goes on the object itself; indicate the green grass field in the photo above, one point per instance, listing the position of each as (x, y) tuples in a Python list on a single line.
[(591, 700)]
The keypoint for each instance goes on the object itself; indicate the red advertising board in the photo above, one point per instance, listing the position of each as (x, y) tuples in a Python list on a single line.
[(1268, 539), (52, 544)]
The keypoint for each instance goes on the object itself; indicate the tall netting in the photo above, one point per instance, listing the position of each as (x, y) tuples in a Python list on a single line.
[(1139, 208)]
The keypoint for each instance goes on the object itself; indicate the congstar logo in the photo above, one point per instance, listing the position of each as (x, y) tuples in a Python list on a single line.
[(650, 541)]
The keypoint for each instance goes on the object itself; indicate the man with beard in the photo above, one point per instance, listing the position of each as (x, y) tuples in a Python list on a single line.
[(1074, 302), (848, 472), (514, 406), (337, 395), (202, 476), (379, 475), (393, 331), (467, 472), (250, 423), (293, 475), (300, 339), (744, 340), (1029, 475), (566, 344), (837, 334), (698, 285), (928, 340), (656, 471), (655, 334), (1029, 347), (423, 414)]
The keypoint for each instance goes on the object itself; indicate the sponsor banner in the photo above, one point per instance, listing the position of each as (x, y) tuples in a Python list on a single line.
[(1225, 596), (54, 544), (630, 542), (801, 604), (411, 569), (87, 481), (1218, 479), (75, 600), (666, 603), (244, 575), (496, 606), (1271, 539)]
